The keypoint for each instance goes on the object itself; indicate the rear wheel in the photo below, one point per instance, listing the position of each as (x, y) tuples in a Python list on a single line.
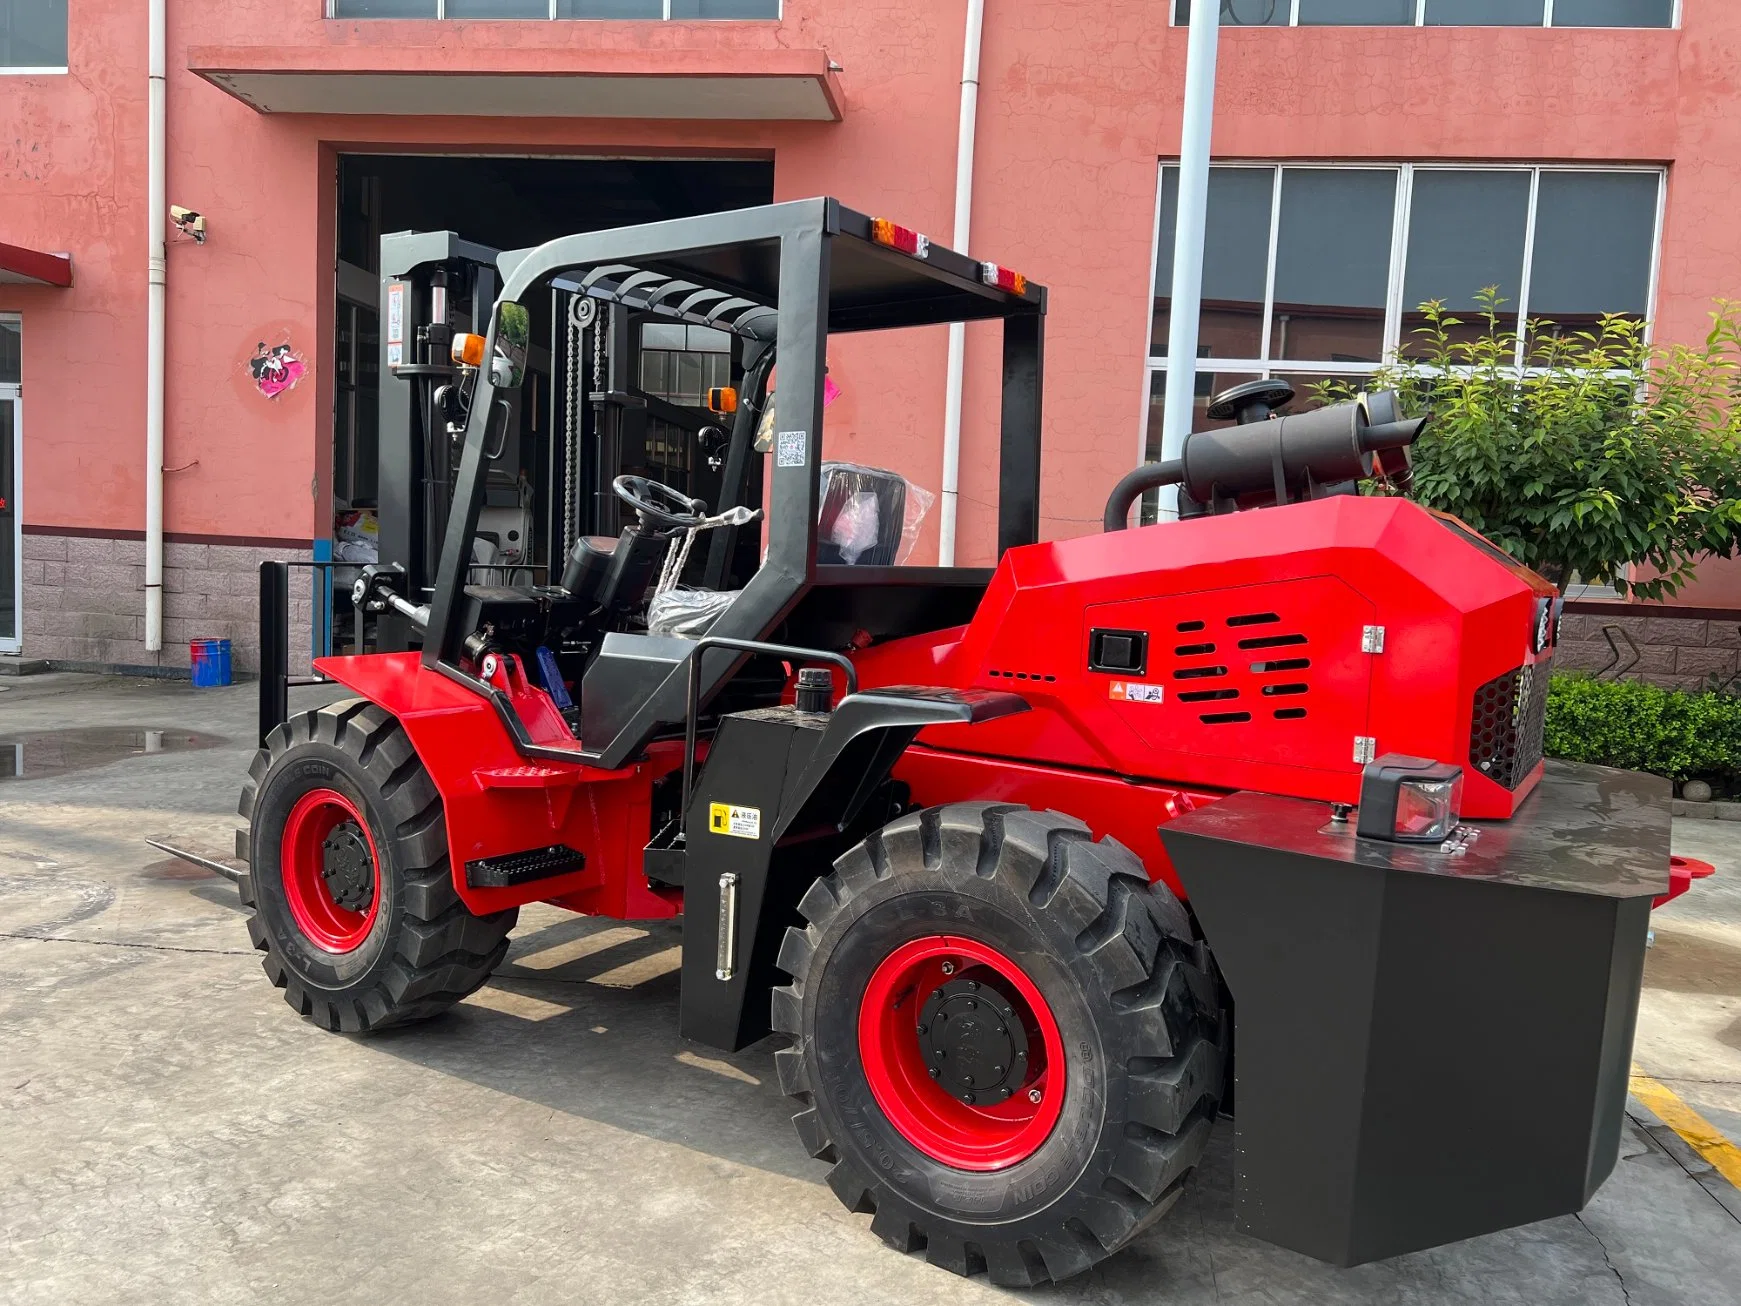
[(349, 889), (1006, 1040)]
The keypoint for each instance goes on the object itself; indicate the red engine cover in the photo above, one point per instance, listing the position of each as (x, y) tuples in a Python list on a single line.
[(1262, 667)]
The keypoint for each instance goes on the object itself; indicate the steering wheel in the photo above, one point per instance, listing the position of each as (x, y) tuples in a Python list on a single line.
[(658, 504)]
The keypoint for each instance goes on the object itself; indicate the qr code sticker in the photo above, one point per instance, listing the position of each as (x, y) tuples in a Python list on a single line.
[(791, 448)]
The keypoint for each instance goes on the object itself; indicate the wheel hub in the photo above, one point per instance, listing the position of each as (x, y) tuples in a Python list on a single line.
[(973, 1042), (347, 867), (962, 1052)]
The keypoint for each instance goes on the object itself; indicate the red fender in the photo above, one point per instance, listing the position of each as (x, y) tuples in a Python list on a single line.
[(498, 802)]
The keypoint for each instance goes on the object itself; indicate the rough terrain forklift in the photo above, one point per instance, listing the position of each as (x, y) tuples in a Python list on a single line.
[(1031, 866)]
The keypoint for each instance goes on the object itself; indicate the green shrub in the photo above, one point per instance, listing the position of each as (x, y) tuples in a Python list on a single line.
[(1640, 727), (1609, 451)]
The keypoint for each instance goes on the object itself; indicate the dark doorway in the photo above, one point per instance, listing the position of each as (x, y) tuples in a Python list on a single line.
[(514, 202), (511, 203)]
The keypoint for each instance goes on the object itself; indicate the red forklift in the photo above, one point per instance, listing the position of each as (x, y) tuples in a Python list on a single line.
[(1036, 869)]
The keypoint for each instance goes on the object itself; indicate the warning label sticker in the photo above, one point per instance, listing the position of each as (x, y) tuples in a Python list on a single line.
[(1130, 691), (737, 822)]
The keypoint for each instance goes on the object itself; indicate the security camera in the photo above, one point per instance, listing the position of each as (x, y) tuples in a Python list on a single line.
[(188, 223)]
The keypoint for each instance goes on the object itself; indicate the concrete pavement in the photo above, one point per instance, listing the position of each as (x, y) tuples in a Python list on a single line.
[(170, 1131)]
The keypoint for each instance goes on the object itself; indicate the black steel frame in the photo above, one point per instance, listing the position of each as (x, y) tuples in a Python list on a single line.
[(403, 481), (276, 682), (943, 287)]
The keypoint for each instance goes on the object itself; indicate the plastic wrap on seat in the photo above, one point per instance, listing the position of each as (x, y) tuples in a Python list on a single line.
[(870, 517), (687, 613)]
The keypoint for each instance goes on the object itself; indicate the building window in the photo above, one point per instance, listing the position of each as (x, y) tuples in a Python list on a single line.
[(11, 350), (671, 10), (33, 36), (1440, 13), (1317, 271), (680, 364)]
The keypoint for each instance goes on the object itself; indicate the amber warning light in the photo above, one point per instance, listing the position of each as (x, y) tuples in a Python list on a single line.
[(468, 349), (898, 237)]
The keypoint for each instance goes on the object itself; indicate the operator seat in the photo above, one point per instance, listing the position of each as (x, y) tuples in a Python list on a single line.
[(614, 575)]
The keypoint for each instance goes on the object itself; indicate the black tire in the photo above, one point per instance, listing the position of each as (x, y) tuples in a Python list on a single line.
[(1134, 995), (424, 950)]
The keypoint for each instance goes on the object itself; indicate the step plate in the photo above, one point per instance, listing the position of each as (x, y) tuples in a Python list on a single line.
[(522, 868)]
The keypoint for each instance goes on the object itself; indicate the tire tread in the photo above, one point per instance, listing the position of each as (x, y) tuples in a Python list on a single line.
[(1156, 976), (442, 953)]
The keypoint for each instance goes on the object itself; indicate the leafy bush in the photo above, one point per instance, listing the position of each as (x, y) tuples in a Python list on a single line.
[(1641, 727), (1608, 451)]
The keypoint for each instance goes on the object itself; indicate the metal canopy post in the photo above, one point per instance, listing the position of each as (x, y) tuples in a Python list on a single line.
[(1018, 499)]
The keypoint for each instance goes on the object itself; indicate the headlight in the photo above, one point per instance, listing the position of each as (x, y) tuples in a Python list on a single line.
[(1409, 799)]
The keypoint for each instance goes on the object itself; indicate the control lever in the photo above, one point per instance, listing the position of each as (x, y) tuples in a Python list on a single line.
[(373, 592)]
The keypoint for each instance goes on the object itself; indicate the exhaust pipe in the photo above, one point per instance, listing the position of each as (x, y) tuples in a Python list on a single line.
[(1278, 460)]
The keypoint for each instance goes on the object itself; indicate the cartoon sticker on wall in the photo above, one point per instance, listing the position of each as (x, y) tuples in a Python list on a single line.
[(276, 368)]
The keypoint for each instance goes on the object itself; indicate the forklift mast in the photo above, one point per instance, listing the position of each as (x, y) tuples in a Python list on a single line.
[(585, 416)]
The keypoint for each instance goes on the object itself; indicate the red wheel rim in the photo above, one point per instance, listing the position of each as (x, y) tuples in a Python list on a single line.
[(324, 835), (936, 976)]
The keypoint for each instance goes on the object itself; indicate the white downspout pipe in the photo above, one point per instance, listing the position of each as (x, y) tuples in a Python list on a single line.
[(964, 138), (158, 215), (1187, 294)]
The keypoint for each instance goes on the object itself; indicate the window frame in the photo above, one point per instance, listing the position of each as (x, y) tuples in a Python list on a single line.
[(47, 70), (1158, 364), (12, 392), (1420, 20), (550, 16)]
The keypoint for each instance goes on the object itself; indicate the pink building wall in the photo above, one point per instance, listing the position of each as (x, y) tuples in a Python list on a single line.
[(1078, 104)]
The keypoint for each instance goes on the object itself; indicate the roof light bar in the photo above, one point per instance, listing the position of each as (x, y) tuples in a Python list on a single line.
[(898, 237), (1004, 279)]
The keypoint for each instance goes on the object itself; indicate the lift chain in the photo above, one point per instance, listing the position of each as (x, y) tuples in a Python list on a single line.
[(570, 431)]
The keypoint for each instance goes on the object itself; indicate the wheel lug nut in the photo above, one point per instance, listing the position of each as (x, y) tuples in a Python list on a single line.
[(923, 1028), (968, 1080), (967, 1098), (973, 986), (934, 1072), (971, 1004), (1034, 1095)]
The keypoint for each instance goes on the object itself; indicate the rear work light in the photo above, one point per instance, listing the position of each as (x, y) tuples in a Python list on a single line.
[(1409, 799), (1003, 278), (468, 349), (898, 237)]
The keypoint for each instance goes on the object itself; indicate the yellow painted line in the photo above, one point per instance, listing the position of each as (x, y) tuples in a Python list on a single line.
[(1699, 1133), (517, 1005), (560, 954), (631, 973)]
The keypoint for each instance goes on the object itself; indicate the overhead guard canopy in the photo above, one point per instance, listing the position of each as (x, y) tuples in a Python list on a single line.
[(737, 256)]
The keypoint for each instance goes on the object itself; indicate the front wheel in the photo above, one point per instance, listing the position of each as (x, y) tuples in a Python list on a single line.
[(348, 889), (1005, 1039)]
